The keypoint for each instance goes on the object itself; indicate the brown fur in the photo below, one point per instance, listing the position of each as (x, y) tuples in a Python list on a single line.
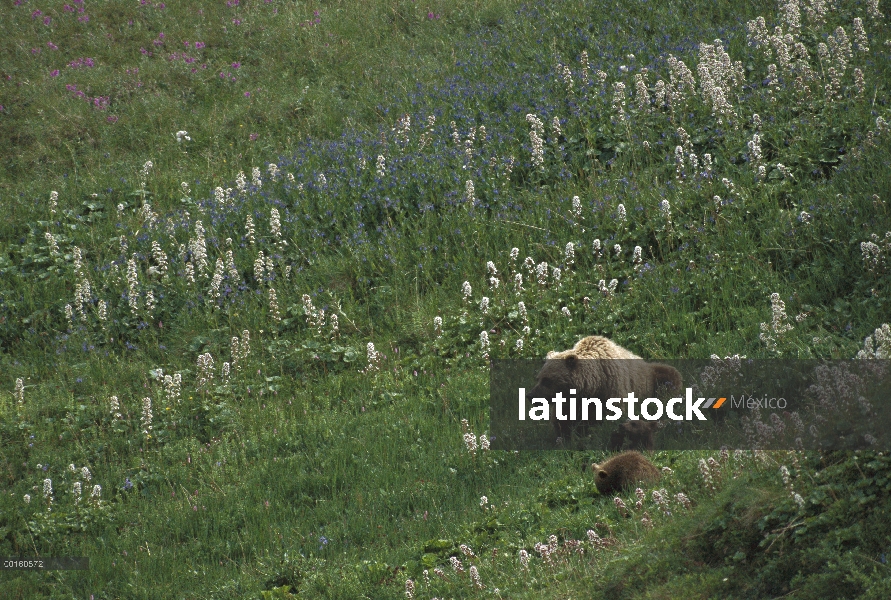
[(623, 471), (641, 435), (581, 368)]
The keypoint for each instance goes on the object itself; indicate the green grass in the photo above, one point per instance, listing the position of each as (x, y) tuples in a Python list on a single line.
[(313, 470)]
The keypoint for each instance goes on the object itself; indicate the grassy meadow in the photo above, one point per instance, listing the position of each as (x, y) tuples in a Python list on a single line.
[(255, 257)]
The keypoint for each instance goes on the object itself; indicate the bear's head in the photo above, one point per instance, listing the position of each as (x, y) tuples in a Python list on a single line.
[(557, 375), (602, 479)]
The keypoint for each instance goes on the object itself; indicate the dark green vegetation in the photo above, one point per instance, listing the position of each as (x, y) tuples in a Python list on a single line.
[(317, 467)]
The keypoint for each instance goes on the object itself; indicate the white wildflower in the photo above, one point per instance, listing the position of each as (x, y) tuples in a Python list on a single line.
[(19, 391), (146, 416)]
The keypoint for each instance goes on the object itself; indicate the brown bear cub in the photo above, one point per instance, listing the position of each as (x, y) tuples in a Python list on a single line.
[(623, 471), (641, 435), (584, 369)]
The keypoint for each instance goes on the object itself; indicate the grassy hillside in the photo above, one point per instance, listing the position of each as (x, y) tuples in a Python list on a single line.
[(255, 257)]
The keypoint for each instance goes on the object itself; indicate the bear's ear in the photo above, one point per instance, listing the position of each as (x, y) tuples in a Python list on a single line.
[(601, 474), (595, 467), (572, 361)]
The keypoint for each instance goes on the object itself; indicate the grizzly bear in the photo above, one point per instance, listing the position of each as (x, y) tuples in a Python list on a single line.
[(583, 369), (622, 471)]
